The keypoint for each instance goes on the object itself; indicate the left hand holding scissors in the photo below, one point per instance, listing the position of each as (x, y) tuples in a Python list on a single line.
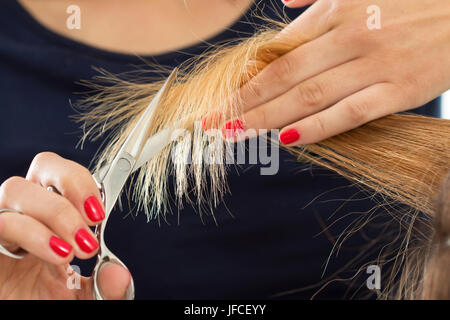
[(41, 230)]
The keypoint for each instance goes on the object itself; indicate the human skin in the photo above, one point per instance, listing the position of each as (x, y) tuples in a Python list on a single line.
[(346, 74), (43, 273), (141, 27), (49, 230)]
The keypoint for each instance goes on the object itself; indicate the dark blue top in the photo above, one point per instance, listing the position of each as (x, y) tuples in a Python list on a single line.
[(272, 241)]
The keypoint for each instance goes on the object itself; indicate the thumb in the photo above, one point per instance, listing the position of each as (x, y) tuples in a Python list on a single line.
[(113, 281), (297, 3)]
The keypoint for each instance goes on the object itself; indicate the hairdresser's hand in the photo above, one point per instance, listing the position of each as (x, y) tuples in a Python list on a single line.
[(52, 229), (348, 73)]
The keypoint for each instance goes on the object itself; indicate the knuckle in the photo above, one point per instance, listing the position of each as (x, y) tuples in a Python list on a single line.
[(310, 94), (7, 189), (320, 125), (335, 11), (255, 90), (42, 157), (282, 68), (37, 162), (358, 112)]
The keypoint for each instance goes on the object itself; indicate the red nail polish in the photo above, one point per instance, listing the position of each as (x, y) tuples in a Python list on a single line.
[(233, 128), (60, 247), (85, 241), (94, 209), (289, 136)]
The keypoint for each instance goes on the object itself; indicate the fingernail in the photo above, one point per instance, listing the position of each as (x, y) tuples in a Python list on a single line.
[(60, 247), (289, 136), (94, 209), (233, 128), (85, 241)]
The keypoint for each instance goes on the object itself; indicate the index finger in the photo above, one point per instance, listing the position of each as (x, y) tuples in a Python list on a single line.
[(72, 180), (280, 75)]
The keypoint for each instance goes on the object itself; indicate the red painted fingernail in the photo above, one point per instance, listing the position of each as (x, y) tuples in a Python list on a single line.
[(94, 209), (233, 128), (60, 247), (85, 241), (289, 136)]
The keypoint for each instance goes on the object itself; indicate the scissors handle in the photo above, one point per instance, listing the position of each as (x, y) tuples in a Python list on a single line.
[(105, 256)]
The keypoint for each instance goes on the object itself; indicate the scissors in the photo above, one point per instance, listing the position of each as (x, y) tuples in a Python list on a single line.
[(111, 178)]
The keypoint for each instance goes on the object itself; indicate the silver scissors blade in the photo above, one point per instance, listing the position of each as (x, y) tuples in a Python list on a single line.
[(137, 138), (113, 177), (154, 145)]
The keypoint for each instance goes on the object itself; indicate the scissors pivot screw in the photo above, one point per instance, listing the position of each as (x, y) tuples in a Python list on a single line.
[(124, 165)]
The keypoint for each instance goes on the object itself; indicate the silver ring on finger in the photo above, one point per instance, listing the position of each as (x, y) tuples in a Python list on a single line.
[(18, 254), (53, 189)]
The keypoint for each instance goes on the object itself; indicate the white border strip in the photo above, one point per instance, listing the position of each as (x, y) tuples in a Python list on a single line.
[(445, 105)]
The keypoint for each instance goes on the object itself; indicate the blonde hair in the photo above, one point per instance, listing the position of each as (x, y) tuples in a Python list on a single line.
[(402, 157)]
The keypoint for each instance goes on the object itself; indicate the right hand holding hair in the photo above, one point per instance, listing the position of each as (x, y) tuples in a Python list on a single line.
[(52, 228), (355, 61)]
